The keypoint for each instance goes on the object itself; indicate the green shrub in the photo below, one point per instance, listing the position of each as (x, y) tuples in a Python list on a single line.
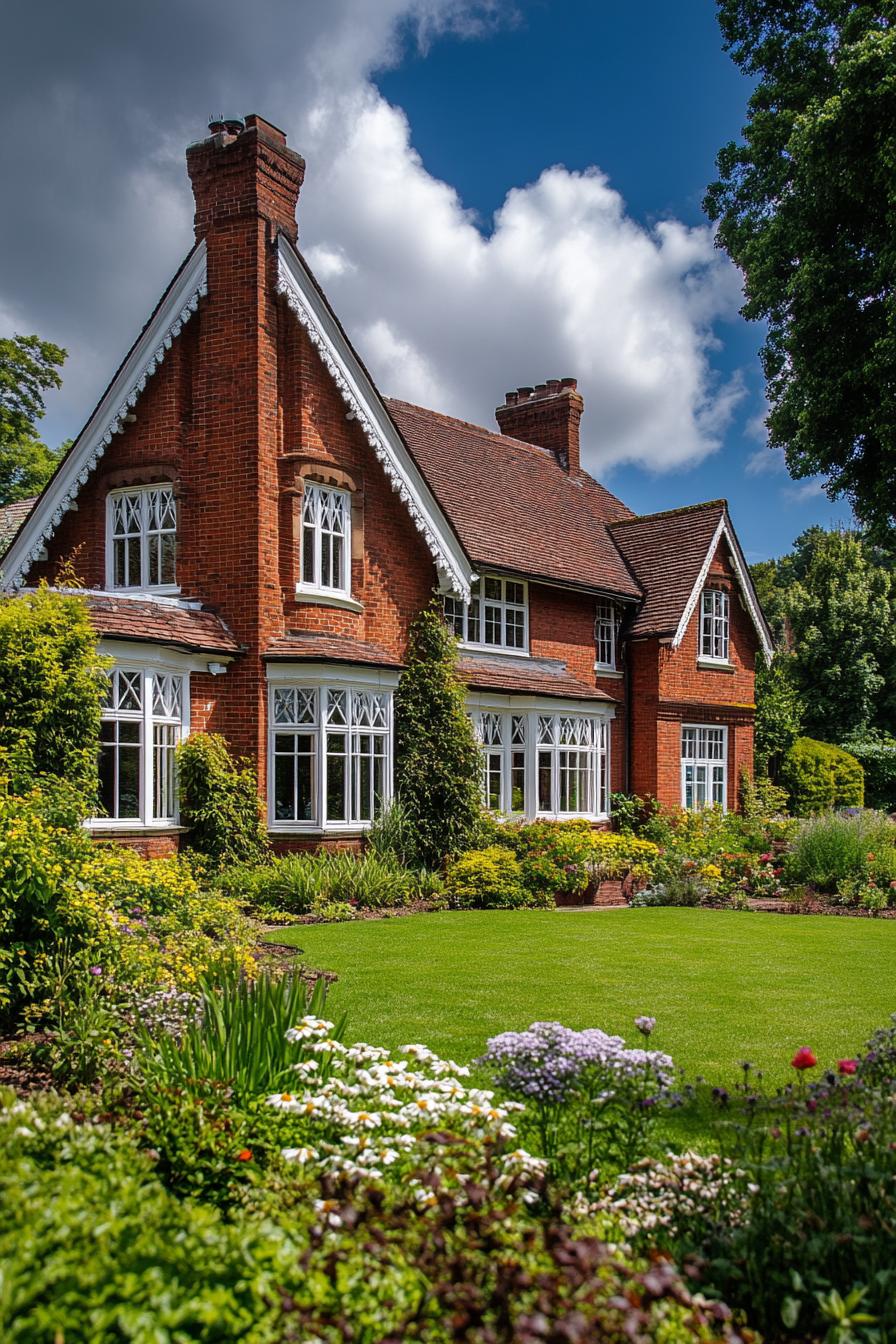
[(487, 879), (138, 921), (830, 848), (219, 802), (819, 776), (51, 687), (437, 757), (391, 836), (554, 856), (302, 884), (877, 757)]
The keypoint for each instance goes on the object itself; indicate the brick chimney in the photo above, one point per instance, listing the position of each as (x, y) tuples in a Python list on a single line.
[(547, 415), (245, 170)]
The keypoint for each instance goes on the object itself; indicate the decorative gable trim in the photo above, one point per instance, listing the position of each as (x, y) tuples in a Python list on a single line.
[(173, 313), (295, 283), (726, 532)]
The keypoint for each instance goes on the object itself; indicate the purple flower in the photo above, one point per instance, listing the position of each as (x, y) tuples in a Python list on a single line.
[(645, 1025), (96, 970), (547, 1062)]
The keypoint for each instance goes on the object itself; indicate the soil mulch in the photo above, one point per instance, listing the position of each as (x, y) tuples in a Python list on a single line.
[(18, 1069), (817, 906)]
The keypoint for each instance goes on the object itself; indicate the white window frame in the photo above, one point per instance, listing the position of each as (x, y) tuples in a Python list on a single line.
[(606, 629), (715, 622), (707, 764), (322, 680), (151, 716), (314, 500), (508, 725), (145, 534), (468, 619)]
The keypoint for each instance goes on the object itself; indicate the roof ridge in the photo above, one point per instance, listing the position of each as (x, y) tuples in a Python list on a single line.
[(670, 513), (470, 424)]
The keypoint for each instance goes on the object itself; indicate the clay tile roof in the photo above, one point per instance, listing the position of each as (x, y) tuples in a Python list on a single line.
[(512, 506), (540, 676), (665, 552), (12, 516), (303, 646), (160, 623)]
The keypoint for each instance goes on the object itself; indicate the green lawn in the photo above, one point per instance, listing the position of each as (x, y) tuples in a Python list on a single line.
[(724, 987)]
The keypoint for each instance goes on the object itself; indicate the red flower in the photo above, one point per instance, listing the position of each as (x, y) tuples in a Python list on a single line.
[(804, 1059), (244, 1155), (847, 1065)]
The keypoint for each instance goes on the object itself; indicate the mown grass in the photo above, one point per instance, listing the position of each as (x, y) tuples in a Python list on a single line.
[(724, 987)]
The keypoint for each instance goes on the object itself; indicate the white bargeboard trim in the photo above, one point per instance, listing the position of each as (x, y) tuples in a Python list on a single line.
[(741, 570)]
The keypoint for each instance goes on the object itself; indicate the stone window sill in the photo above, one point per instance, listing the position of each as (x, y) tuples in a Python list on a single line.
[(710, 665), (110, 830), (322, 598), (612, 673)]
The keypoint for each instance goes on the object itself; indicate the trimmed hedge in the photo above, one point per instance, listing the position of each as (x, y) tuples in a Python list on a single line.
[(819, 776), (878, 760)]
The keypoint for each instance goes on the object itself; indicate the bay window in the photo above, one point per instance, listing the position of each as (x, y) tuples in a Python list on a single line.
[(331, 755), (540, 762), (714, 625), (497, 615), (326, 540), (141, 538), (142, 723), (704, 767)]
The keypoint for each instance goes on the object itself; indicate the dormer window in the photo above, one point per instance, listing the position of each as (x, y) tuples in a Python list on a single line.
[(497, 616), (714, 625), (142, 538), (326, 540), (605, 636)]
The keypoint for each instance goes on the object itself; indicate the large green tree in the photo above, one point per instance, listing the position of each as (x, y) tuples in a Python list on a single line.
[(806, 207), (29, 368), (832, 602)]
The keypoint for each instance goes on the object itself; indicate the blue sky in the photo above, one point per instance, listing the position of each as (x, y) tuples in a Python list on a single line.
[(647, 92), (497, 192)]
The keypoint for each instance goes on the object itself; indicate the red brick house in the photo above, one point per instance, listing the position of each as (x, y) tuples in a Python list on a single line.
[(257, 526)]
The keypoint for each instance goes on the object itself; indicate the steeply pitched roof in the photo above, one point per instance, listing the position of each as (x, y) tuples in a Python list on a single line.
[(145, 621), (526, 676), (12, 516), (513, 507), (665, 552)]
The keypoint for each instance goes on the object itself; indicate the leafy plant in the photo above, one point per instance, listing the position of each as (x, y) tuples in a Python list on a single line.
[(219, 802), (237, 1038), (830, 848), (391, 835), (437, 758), (51, 688), (487, 879), (818, 776)]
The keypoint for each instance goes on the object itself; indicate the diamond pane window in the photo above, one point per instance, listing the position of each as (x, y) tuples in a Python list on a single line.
[(142, 538), (326, 548)]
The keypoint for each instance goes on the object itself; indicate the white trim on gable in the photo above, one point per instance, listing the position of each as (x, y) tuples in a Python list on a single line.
[(107, 420), (366, 406), (725, 530)]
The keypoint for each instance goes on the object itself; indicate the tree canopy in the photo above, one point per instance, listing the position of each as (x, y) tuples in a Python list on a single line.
[(832, 602), (806, 207), (29, 368)]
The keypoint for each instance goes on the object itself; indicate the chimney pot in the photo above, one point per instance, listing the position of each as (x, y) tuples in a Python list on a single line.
[(216, 126), (549, 419), (233, 125)]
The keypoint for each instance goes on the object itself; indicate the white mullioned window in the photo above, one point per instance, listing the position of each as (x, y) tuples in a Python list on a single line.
[(331, 755), (704, 767), (497, 615), (714, 625), (142, 723), (538, 762), (326, 539), (605, 625), (141, 538)]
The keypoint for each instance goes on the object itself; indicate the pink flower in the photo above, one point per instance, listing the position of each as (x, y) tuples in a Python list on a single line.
[(804, 1059), (847, 1066)]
